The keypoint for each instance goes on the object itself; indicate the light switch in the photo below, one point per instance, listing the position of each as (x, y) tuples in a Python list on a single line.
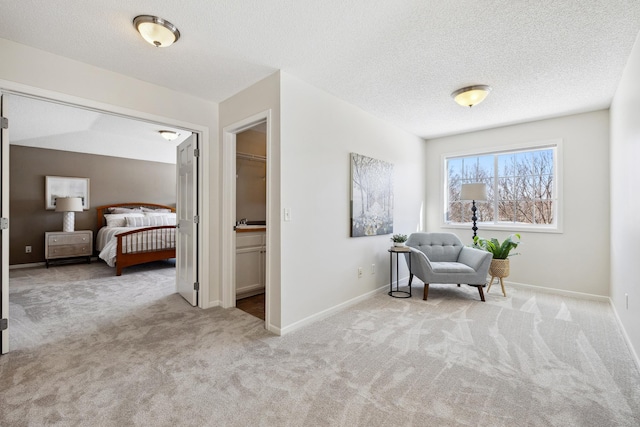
[(287, 214)]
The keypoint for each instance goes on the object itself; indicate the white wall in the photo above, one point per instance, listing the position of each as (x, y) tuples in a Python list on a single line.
[(625, 203), (319, 259), (575, 260), (33, 71)]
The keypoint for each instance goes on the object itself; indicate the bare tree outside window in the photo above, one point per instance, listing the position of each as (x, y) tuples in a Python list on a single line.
[(520, 187)]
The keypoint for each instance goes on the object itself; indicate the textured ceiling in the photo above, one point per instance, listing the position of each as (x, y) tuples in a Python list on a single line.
[(398, 59)]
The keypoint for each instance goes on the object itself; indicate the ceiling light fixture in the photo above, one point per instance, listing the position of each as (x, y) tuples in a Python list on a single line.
[(471, 95), (156, 31), (169, 135)]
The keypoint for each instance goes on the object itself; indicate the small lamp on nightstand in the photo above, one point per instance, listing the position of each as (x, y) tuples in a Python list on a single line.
[(68, 205)]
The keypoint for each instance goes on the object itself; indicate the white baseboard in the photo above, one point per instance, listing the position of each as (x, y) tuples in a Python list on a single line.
[(249, 291), (574, 294), (274, 329), (41, 264), (211, 304), (634, 354), (325, 313), (403, 281), (29, 265)]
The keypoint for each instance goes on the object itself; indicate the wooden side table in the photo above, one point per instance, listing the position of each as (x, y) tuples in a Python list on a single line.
[(72, 244), (398, 293)]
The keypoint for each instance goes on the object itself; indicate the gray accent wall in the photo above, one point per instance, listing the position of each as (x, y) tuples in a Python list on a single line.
[(112, 180)]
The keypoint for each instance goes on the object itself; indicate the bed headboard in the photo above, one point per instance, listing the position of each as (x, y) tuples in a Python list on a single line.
[(101, 210)]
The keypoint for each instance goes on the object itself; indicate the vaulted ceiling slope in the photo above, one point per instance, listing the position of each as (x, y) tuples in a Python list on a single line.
[(43, 124), (399, 60)]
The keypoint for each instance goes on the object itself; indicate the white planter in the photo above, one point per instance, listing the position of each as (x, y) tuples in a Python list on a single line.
[(398, 244)]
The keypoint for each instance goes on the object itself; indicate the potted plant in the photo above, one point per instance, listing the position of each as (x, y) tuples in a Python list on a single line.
[(500, 263), (399, 239)]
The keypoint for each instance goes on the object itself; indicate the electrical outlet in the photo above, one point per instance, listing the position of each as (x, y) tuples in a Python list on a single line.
[(373, 269), (27, 249), (360, 272)]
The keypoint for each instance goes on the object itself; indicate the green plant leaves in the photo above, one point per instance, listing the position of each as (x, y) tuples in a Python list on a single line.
[(497, 249)]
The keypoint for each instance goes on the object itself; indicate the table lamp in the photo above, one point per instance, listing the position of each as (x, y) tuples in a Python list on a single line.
[(68, 205)]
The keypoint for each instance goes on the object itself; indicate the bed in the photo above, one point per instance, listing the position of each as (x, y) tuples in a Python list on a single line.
[(135, 233)]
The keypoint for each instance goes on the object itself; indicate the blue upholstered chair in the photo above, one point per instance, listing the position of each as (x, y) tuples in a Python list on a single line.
[(442, 258)]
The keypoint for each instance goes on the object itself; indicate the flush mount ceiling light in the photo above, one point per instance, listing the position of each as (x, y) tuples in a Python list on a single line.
[(156, 31), (471, 95), (169, 135)]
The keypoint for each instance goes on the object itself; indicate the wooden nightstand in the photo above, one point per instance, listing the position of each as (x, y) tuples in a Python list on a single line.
[(74, 244)]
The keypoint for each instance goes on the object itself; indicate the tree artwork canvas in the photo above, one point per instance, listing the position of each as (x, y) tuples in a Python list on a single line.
[(371, 196)]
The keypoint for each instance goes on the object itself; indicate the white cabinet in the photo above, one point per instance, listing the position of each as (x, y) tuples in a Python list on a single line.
[(250, 263)]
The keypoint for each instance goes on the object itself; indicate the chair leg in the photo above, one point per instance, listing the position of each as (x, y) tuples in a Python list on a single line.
[(481, 292), (490, 283), (426, 291)]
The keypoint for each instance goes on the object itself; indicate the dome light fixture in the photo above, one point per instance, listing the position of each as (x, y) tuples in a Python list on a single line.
[(471, 95), (169, 135), (156, 31)]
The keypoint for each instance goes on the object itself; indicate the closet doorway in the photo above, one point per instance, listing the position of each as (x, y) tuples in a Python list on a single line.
[(229, 218), (251, 219)]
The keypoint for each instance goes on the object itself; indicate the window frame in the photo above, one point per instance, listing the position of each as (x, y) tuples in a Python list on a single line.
[(497, 150)]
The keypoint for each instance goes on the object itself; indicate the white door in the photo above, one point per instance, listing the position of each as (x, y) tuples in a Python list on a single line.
[(4, 213), (187, 220)]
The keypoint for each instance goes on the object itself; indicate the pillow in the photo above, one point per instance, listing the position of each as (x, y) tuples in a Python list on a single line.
[(124, 210), (170, 214), (119, 220), (149, 221), (162, 210)]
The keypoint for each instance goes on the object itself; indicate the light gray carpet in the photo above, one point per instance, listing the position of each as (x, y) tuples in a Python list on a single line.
[(96, 350)]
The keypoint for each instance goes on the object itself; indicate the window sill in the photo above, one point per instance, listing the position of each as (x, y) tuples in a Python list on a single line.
[(503, 227)]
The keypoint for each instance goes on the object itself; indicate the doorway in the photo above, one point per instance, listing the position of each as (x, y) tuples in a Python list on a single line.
[(229, 216), (110, 113), (251, 219)]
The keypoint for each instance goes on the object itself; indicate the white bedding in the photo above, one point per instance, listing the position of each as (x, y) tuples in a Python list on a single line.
[(106, 242)]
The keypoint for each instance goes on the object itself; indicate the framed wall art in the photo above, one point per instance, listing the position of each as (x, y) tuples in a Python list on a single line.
[(371, 196), (60, 186)]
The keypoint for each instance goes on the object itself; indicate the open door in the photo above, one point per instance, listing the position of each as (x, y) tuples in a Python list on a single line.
[(187, 220), (4, 226)]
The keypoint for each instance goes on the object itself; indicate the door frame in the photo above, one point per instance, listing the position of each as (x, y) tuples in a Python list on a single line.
[(4, 234), (12, 88), (228, 261)]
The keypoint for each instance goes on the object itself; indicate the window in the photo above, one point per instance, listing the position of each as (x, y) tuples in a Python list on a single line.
[(521, 187)]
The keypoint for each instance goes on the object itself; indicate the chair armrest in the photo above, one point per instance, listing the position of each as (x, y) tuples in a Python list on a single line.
[(419, 260), (475, 258)]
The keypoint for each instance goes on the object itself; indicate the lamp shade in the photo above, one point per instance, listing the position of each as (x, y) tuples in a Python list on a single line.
[(156, 31), (471, 95), (474, 191), (169, 135), (69, 204)]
